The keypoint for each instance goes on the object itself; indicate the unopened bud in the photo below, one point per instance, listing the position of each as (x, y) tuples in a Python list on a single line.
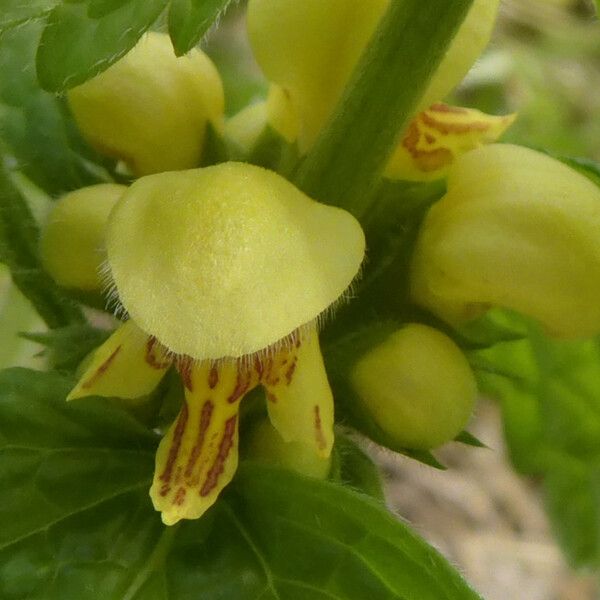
[(151, 108), (72, 242), (417, 386), (310, 49), (516, 229)]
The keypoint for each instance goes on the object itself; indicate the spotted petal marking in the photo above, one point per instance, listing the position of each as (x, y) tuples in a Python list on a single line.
[(129, 364), (198, 456), (437, 136)]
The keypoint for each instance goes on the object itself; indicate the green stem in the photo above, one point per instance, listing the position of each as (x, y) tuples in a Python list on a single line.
[(350, 154)]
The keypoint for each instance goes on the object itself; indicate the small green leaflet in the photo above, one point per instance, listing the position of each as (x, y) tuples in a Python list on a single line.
[(189, 20), (36, 131), (82, 39), (75, 46), (77, 522), (550, 397)]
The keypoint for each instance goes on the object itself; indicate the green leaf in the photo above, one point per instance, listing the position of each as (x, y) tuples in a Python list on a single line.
[(189, 20), (75, 46), (19, 251), (333, 543), (550, 397), (76, 520), (586, 166), (35, 127), (18, 12), (100, 8)]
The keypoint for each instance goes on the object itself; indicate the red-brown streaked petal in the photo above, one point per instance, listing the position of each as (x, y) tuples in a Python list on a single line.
[(198, 456), (437, 136), (128, 365), (299, 399)]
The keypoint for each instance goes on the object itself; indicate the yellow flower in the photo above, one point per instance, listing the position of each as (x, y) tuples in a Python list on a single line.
[(417, 386), (223, 272), (516, 229), (72, 240), (310, 49), (150, 109)]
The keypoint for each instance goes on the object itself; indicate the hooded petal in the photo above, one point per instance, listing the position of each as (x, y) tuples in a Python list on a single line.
[(227, 260), (129, 364)]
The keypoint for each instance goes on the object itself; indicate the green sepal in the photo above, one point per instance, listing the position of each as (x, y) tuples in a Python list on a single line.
[(100, 8), (467, 438), (66, 347), (16, 13), (352, 467), (273, 151), (216, 149)]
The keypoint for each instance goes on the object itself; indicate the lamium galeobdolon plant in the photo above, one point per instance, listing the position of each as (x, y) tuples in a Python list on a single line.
[(226, 261)]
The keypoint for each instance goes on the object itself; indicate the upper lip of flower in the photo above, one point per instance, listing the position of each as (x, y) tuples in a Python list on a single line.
[(227, 260)]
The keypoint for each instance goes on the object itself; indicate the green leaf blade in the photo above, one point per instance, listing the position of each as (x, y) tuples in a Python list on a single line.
[(15, 13), (329, 525), (550, 398), (189, 20), (76, 520), (74, 46)]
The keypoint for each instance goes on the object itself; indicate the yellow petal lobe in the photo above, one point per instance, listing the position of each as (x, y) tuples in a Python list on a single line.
[(227, 260), (129, 364), (198, 456), (436, 136), (299, 399)]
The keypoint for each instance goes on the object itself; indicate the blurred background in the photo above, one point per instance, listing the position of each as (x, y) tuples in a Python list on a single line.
[(544, 64)]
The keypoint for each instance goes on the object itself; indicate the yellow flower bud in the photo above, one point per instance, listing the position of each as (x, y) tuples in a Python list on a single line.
[(468, 43), (516, 229), (310, 49), (267, 445), (276, 111), (418, 387), (72, 242), (151, 108), (227, 260)]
